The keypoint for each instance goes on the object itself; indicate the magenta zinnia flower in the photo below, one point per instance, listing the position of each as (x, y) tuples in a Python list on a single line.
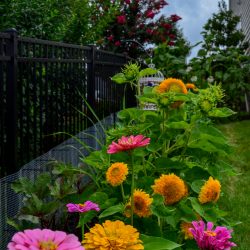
[(44, 239), (128, 143), (207, 238), (82, 208)]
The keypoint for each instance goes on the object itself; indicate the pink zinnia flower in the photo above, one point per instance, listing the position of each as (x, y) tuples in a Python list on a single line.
[(207, 238), (128, 143), (82, 208), (44, 239), (121, 19)]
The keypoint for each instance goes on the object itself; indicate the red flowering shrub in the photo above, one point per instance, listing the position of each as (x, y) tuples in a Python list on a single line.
[(137, 20)]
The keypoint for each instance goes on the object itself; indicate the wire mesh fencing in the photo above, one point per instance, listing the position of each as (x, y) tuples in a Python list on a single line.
[(68, 152)]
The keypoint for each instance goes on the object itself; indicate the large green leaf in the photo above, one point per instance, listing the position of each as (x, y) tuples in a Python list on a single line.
[(130, 114), (147, 99), (23, 185), (206, 211), (99, 198), (197, 206), (196, 185), (159, 208), (225, 167), (36, 207), (39, 186), (202, 144), (119, 78), (157, 243), (221, 112), (178, 125), (209, 139), (167, 164), (112, 210), (148, 226), (148, 91), (24, 222), (147, 72), (186, 212), (181, 97), (86, 217), (208, 132), (97, 159)]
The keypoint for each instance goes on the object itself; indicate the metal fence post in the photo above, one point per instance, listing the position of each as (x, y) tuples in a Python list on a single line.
[(91, 81), (11, 100)]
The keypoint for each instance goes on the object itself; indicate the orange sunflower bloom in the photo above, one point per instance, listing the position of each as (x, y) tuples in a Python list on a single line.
[(184, 226), (142, 202), (210, 191), (172, 84), (112, 235), (117, 173), (191, 86), (171, 187)]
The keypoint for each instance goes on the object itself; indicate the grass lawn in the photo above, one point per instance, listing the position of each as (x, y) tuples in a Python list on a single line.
[(236, 189)]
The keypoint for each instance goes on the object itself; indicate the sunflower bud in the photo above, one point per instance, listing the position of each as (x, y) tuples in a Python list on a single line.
[(131, 71), (206, 105)]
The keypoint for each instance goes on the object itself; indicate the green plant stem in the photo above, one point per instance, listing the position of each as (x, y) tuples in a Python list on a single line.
[(122, 191), (138, 88), (187, 133), (144, 168), (160, 224), (132, 188), (82, 231), (164, 116), (82, 227), (124, 98)]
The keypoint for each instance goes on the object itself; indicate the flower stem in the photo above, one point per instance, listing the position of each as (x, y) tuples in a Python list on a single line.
[(122, 191), (144, 167), (82, 228), (138, 88), (160, 224), (83, 231), (132, 188), (164, 147)]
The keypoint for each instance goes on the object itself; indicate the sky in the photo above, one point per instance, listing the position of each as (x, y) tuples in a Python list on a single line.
[(195, 14)]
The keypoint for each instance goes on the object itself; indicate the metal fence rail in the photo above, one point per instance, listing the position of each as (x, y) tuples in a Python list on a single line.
[(68, 152), (41, 88)]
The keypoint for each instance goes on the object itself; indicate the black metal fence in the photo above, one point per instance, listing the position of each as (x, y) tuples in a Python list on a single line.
[(43, 85)]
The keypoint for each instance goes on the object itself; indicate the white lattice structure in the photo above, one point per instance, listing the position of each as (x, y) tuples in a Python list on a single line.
[(151, 81)]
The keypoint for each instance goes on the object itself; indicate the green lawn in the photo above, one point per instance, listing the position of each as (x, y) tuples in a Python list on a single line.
[(236, 189)]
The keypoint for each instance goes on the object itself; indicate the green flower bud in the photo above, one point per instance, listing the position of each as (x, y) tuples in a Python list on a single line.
[(131, 71)]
